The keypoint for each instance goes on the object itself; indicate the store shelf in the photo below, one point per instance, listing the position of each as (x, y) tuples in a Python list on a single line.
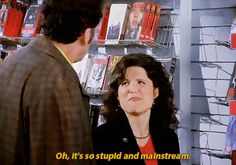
[(164, 35)]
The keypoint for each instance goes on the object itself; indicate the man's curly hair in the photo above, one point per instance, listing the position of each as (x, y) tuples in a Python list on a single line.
[(65, 20)]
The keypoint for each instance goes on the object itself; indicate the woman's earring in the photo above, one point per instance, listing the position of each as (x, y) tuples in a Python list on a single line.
[(118, 107), (153, 103)]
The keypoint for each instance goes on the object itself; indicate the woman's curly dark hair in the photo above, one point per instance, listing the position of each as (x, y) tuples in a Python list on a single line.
[(164, 110), (65, 20)]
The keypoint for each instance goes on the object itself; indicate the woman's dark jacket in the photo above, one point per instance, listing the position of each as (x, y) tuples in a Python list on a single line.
[(116, 136)]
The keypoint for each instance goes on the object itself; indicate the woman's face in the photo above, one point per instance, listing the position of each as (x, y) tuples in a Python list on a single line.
[(136, 93)]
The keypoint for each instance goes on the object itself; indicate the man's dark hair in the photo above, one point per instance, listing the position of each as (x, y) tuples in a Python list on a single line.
[(65, 20)]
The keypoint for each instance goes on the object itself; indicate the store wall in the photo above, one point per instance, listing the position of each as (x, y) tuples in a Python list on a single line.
[(212, 65)]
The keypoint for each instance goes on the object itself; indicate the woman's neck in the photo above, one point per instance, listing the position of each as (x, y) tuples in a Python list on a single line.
[(140, 128), (139, 124)]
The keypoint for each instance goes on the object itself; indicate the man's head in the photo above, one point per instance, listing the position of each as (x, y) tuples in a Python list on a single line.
[(66, 20)]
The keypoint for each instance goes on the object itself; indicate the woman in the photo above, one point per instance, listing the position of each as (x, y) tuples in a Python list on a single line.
[(141, 117)]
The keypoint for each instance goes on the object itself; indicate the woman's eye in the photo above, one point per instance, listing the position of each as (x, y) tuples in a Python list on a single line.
[(124, 83), (141, 82)]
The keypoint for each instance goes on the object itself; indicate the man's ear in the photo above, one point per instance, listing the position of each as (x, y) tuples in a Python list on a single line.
[(87, 37)]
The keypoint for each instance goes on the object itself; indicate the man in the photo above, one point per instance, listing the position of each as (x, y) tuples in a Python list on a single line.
[(43, 111)]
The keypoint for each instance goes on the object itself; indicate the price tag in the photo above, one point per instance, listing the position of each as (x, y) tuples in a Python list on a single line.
[(102, 50), (149, 51)]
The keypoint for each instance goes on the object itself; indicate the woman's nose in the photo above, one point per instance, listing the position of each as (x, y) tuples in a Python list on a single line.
[(133, 87)]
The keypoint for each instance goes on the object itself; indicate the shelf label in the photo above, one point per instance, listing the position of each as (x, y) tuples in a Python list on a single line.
[(102, 50)]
